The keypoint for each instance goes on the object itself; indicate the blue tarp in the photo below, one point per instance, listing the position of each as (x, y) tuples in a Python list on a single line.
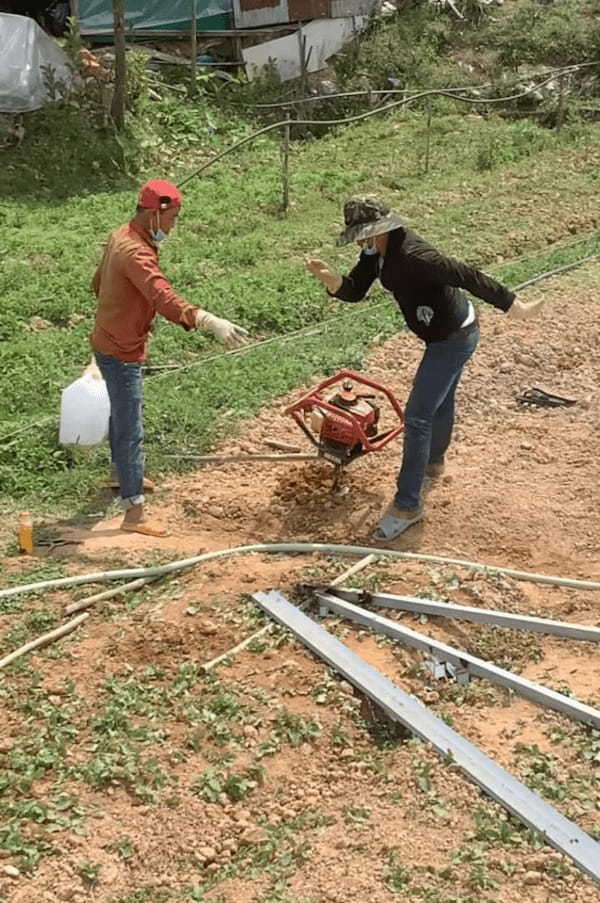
[(96, 16)]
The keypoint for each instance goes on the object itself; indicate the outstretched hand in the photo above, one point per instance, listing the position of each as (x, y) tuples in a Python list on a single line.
[(521, 311), (230, 334), (323, 272)]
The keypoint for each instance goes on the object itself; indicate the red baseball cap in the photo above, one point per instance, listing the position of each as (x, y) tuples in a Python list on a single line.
[(159, 195)]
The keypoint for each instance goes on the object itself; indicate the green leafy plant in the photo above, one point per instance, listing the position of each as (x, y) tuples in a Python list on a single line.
[(397, 876), (89, 872)]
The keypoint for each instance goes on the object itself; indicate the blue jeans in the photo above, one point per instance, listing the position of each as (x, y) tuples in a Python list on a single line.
[(126, 427), (429, 414)]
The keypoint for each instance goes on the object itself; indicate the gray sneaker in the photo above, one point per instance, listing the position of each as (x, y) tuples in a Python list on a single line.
[(395, 522)]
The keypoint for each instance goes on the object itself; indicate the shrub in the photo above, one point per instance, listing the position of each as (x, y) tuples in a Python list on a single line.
[(558, 35)]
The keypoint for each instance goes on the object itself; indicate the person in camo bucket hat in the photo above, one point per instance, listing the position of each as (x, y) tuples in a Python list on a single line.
[(428, 288), (365, 217)]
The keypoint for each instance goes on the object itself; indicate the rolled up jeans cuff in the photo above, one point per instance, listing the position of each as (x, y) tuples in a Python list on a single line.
[(129, 503)]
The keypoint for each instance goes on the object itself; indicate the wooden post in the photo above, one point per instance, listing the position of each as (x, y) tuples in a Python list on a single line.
[(74, 9), (194, 39), (118, 101), (303, 58), (285, 162), (237, 49), (560, 112), (428, 136)]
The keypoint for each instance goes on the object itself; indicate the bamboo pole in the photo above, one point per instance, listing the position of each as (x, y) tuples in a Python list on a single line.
[(107, 594), (194, 42), (363, 563), (44, 640), (119, 95), (359, 566), (285, 162), (238, 648), (428, 137), (560, 112), (283, 446)]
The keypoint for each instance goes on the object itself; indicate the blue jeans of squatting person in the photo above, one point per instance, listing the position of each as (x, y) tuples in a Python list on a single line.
[(126, 428), (429, 414)]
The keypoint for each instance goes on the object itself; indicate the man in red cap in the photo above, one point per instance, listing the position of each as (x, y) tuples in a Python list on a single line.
[(131, 289)]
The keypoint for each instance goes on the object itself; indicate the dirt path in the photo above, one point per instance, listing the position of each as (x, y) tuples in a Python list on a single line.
[(271, 781)]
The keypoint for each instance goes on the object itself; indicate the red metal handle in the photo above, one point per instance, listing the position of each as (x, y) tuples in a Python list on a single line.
[(314, 397)]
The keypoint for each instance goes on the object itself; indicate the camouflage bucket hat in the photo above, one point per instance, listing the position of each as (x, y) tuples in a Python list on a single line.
[(366, 216)]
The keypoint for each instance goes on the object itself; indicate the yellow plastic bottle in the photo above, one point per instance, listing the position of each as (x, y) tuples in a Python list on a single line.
[(26, 533)]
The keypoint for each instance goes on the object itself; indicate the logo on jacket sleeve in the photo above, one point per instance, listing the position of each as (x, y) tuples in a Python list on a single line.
[(424, 314)]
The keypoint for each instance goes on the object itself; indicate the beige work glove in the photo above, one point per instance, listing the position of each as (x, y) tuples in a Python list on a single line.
[(231, 335), (93, 369), (520, 311), (330, 279)]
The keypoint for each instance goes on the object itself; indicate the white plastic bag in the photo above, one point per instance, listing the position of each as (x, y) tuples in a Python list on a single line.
[(24, 49), (84, 412)]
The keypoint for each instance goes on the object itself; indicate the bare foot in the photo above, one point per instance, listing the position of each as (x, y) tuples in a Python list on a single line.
[(135, 521), (148, 485)]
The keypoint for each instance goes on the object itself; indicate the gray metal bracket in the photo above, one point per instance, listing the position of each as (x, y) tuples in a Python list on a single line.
[(469, 613), (531, 809), (441, 670), (477, 667)]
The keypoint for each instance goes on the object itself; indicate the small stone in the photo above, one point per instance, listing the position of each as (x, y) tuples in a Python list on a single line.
[(250, 731), (242, 815), (526, 446), (11, 871), (207, 853), (347, 688), (208, 628), (254, 835), (347, 754), (215, 511), (531, 878), (526, 360)]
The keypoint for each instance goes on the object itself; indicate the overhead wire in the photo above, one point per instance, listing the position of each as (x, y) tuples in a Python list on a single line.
[(396, 104)]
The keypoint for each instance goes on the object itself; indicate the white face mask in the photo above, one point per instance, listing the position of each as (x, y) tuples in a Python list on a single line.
[(157, 235), (371, 249)]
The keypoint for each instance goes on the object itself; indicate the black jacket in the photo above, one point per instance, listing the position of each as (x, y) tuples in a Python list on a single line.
[(424, 283)]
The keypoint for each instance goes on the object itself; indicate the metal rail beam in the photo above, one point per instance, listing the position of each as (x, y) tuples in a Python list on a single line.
[(532, 810), (471, 613), (463, 660)]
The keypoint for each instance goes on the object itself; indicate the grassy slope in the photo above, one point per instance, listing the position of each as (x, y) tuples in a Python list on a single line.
[(236, 255)]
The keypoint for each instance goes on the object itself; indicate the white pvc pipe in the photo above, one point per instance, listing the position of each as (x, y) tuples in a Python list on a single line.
[(296, 548)]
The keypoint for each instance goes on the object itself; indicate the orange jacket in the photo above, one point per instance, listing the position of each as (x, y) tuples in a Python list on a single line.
[(131, 290)]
